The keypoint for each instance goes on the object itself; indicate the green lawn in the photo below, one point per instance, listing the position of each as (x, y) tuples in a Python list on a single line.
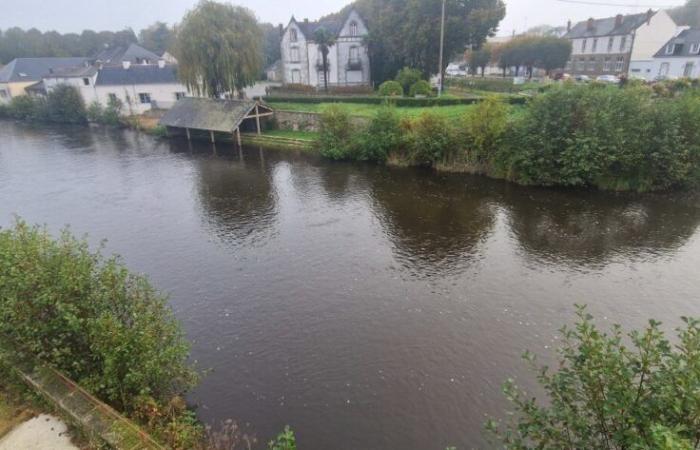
[(301, 135), (367, 110)]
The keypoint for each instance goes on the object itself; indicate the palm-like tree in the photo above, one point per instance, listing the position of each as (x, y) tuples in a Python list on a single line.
[(325, 40)]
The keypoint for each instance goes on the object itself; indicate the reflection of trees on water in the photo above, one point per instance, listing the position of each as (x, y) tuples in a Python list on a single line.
[(592, 228), (434, 222), (237, 197)]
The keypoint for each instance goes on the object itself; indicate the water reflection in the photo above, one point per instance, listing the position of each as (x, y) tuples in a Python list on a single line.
[(593, 229)]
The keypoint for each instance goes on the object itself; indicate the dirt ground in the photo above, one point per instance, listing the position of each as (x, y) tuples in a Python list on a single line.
[(38, 433)]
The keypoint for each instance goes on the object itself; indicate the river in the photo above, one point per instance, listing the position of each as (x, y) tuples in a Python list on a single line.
[(367, 307)]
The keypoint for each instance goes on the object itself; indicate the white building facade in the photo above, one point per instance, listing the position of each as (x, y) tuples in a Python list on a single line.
[(348, 58), (679, 57)]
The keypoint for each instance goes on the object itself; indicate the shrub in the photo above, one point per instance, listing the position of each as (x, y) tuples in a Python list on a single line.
[(95, 112), (407, 77), (284, 441), (64, 104), (421, 87), (606, 394), (430, 138), (483, 130), (382, 137), (4, 111), (24, 107), (89, 317), (390, 89), (336, 133)]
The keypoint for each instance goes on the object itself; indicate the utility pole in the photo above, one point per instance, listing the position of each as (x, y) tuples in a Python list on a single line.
[(441, 73)]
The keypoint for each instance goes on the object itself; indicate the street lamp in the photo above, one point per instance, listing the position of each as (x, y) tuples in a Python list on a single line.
[(441, 73)]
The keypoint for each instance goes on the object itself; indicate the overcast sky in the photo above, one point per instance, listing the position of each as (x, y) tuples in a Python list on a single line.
[(76, 15)]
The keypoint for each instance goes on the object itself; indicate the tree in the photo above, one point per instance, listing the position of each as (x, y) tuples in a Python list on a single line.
[(553, 53), (607, 394), (688, 14), (407, 77), (324, 39), (479, 59), (271, 44), (407, 32), (158, 37), (218, 47), (65, 104)]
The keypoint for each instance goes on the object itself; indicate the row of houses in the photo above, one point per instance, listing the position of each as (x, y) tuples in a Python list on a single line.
[(647, 46), (137, 77)]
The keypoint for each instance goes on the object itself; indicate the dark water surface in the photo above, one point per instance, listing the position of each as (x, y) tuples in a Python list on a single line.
[(367, 307)]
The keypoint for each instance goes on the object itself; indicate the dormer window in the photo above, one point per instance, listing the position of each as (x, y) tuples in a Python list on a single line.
[(695, 48), (293, 35), (669, 49), (353, 29)]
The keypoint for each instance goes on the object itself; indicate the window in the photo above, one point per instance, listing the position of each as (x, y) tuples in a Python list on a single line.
[(694, 49), (610, 44), (623, 43), (583, 46), (294, 56), (353, 29), (606, 65), (145, 98), (591, 64), (180, 95), (296, 76), (594, 46), (354, 53), (293, 35), (619, 64), (86, 81), (688, 69), (663, 70), (670, 48), (112, 97)]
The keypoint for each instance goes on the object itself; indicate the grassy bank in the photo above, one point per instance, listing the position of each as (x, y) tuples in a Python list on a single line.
[(369, 110)]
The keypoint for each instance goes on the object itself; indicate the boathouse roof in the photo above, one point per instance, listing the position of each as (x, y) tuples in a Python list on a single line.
[(209, 114)]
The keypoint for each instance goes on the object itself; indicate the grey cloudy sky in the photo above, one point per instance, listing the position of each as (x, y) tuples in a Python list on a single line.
[(76, 15)]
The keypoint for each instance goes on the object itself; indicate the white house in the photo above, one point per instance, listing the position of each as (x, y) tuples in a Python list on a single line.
[(22, 73), (348, 59), (618, 45), (138, 87), (679, 57)]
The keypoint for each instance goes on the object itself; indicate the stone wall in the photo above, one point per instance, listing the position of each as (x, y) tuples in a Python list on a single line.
[(305, 121)]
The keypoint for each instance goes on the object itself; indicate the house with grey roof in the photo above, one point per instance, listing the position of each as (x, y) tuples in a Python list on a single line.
[(21, 73), (133, 54), (624, 44), (679, 57), (348, 59)]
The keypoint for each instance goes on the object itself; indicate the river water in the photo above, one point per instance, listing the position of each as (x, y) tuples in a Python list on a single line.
[(367, 307)]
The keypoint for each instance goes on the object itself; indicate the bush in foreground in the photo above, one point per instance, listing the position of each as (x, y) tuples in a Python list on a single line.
[(336, 137), (421, 88), (407, 77), (612, 391), (64, 104), (390, 89), (108, 329)]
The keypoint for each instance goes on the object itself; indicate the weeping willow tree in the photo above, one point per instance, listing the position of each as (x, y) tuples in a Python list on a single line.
[(219, 49)]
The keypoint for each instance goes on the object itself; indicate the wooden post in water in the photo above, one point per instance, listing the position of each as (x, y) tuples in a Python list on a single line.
[(187, 130), (211, 134), (257, 117), (238, 136)]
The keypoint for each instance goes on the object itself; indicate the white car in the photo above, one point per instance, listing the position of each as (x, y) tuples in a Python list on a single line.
[(612, 79)]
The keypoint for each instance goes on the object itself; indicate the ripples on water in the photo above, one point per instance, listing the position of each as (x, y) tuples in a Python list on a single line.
[(368, 307)]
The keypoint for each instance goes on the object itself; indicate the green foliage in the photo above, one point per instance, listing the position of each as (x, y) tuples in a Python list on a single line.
[(390, 89), (378, 100), (94, 112), (546, 52), (219, 49), (64, 104), (430, 138), (382, 137), (24, 107), (284, 441), (420, 87), (483, 130), (407, 77), (4, 111), (336, 133), (89, 317), (688, 14), (608, 394), (105, 116), (479, 59), (607, 137), (157, 38), (324, 40)]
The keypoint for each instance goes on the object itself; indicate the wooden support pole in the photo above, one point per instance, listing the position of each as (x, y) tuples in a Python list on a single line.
[(211, 134), (238, 136), (257, 118), (187, 130)]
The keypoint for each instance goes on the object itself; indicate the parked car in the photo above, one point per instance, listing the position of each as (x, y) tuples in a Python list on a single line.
[(582, 78), (611, 79), (455, 70)]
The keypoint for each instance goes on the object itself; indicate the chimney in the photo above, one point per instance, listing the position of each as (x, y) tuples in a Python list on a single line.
[(650, 13), (568, 26), (126, 65), (161, 63), (589, 24), (618, 20)]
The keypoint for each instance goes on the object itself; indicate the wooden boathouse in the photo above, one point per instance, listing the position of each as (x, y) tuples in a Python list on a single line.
[(215, 116)]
